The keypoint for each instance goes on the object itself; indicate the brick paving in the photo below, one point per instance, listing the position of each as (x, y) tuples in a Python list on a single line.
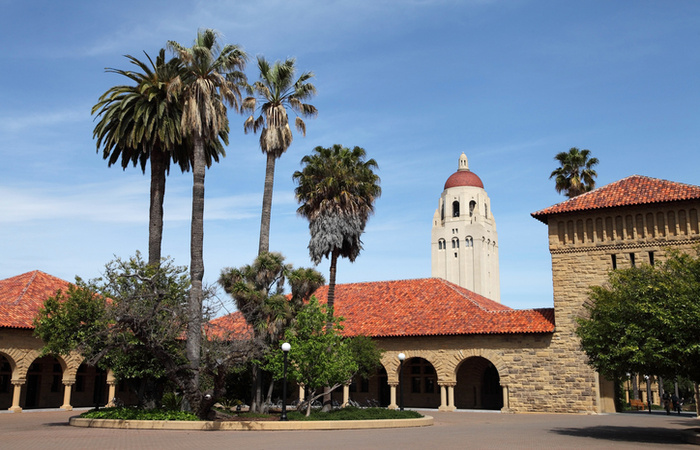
[(457, 430)]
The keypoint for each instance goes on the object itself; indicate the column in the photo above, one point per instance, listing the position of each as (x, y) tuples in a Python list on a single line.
[(443, 398), (506, 400), (112, 393), (451, 396), (392, 386), (346, 395), (302, 393), (67, 389), (16, 391)]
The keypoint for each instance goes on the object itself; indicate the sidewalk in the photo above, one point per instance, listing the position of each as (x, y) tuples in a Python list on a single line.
[(456, 430)]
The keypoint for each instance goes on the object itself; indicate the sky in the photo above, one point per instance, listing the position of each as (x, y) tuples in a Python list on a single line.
[(414, 82)]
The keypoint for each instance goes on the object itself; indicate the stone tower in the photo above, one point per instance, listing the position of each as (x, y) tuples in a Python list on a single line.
[(464, 240)]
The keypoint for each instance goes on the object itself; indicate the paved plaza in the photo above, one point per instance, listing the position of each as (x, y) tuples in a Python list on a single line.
[(457, 430)]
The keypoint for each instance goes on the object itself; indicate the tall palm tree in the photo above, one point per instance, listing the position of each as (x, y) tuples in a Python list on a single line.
[(276, 90), (210, 79), (138, 123), (337, 189), (576, 174)]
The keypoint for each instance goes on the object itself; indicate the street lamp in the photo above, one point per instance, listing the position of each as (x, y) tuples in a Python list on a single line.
[(285, 349), (401, 358)]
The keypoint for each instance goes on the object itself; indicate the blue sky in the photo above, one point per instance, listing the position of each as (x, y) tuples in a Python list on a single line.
[(416, 83)]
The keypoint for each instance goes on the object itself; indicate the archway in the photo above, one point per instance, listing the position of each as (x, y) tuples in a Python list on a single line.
[(478, 385), (5, 383), (420, 388), (44, 386), (372, 391), (90, 387)]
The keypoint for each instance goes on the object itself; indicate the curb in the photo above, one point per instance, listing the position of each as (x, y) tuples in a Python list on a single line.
[(249, 425)]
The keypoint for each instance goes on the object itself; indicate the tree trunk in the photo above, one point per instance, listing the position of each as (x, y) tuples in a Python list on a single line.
[(264, 243), (155, 221), (331, 289), (194, 327), (635, 387)]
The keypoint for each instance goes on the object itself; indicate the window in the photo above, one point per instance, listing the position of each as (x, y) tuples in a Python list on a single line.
[(472, 205), (614, 261), (455, 209), (415, 385), (632, 260), (441, 244), (486, 210), (651, 258), (442, 212), (455, 243)]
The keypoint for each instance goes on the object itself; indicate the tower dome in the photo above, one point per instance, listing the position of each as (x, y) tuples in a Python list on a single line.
[(463, 176)]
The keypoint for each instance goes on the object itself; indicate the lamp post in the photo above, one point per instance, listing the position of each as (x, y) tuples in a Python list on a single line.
[(401, 358), (285, 349)]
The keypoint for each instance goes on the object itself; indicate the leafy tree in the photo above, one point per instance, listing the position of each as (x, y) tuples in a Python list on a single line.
[(276, 90), (319, 356), (138, 123), (132, 320), (259, 292), (646, 320), (210, 79), (337, 189), (576, 174)]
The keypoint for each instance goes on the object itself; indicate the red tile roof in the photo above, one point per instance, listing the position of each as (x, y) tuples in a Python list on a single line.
[(22, 296), (424, 307), (633, 190)]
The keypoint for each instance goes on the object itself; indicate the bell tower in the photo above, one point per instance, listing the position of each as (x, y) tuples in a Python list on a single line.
[(464, 241)]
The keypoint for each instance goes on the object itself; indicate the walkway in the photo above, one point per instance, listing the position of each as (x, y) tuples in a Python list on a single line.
[(456, 430)]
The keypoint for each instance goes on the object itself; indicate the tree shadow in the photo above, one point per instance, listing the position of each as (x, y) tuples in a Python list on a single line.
[(653, 435)]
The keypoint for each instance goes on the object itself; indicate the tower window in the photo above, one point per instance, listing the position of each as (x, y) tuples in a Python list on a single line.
[(455, 243), (455, 209), (472, 205), (613, 259), (486, 210), (651, 258), (441, 244), (632, 261)]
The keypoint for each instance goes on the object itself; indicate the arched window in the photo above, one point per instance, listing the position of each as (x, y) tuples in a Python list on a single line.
[(472, 205), (455, 208), (455, 243), (442, 212), (469, 242), (441, 244)]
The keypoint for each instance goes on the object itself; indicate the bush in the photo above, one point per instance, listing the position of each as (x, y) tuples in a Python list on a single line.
[(124, 413), (352, 413)]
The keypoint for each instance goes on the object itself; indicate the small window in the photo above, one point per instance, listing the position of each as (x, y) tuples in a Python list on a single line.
[(415, 385), (632, 260), (613, 259), (472, 205), (651, 258), (455, 209), (441, 244), (455, 243), (486, 210)]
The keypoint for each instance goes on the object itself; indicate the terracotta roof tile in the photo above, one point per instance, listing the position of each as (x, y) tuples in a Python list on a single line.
[(425, 307), (633, 190), (22, 296)]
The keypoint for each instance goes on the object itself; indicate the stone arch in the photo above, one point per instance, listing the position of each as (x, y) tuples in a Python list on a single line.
[(23, 359), (478, 385), (452, 363), (73, 362)]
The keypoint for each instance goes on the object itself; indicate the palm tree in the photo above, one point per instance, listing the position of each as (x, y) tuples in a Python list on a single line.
[(139, 123), (210, 79), (258, 290), (276, 90), (576, 174), (337, 189)]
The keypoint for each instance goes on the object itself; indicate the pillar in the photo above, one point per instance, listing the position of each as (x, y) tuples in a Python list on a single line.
[(302, 393), (443, 398), (451, 396), (16, 392), (112, 393), (506, 399), (67, 389), (346, 395), (392, 387)]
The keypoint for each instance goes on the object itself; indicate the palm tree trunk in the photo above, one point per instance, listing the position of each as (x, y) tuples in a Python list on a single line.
[(194, 327), (264, 244), (155, 221), (331, 288)]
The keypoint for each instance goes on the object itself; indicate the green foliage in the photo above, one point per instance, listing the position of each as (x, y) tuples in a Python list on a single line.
[(646, 320), (352, 413), (366, 355), (171, 401), (576, 174), (124, 413)]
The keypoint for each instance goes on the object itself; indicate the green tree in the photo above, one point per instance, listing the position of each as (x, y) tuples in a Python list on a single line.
[(259, 292), (138, 123), (319, 356), (337, 189), (576, 174), (276, 90), (646, 320), (210, 80), (132, 320)]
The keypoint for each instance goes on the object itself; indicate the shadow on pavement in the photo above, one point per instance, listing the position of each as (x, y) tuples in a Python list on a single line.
[(626, 434)]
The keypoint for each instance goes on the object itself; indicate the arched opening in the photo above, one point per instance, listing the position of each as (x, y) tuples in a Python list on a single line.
[(90, 387), (44, 386), (472, 205), (478, 385), (455, 208), (420, 389), (5, 383), (367, 391)]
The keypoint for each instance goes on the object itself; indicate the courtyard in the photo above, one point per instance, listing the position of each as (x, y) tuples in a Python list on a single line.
[(474, 430)]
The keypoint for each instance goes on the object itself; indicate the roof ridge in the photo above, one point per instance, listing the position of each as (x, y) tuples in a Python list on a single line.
[(459, 290), (26, 288)]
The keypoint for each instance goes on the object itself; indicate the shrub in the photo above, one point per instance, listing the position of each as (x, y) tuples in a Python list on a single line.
[(124, 413)]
